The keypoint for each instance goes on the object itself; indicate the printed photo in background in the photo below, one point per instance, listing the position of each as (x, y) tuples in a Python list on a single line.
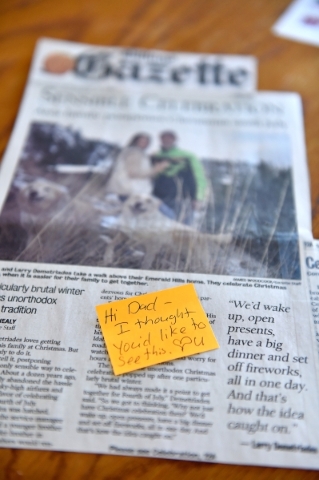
[(82, 201)]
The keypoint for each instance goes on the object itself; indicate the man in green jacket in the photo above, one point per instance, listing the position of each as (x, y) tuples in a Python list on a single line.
[(182, 185)]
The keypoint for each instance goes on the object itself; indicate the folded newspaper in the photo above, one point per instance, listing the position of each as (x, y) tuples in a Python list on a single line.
[(132, 171)]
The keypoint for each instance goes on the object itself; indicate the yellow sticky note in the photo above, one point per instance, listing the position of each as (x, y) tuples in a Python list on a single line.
[(154, 328)]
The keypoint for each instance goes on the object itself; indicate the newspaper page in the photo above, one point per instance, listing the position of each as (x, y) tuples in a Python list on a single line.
[(300, 22), (311, 259), (112, 191)]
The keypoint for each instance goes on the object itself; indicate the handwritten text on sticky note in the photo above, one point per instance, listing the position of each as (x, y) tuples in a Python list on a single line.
[(154, 328)]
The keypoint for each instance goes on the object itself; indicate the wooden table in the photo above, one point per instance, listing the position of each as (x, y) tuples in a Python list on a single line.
[(210, 26)]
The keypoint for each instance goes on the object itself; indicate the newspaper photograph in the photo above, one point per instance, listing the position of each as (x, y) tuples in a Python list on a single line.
[(148, 210), (110, 190)]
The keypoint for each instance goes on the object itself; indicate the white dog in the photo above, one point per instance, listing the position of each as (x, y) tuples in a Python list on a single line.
[(142, 221), (38, 201)]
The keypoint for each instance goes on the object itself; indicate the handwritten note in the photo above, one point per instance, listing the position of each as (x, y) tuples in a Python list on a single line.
[(154, 328)]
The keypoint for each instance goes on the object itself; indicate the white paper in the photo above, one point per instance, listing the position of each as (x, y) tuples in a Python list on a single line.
[(300, 22), (311, 259), (69, 242)]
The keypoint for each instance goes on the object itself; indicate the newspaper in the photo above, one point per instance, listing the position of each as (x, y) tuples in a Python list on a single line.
[(300, 22), (311, 259), (111, 189)]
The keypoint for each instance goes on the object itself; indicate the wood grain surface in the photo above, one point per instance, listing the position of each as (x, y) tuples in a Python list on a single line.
[(210, 26)]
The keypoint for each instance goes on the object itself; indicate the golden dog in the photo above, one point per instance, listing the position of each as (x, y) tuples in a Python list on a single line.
[(38, 201), (142, 221)]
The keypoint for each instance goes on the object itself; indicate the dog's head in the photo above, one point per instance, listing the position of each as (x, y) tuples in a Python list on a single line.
[(140, 204), (41, 195)]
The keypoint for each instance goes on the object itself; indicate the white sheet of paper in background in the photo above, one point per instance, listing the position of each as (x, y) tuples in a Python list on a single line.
[(300, 22)]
